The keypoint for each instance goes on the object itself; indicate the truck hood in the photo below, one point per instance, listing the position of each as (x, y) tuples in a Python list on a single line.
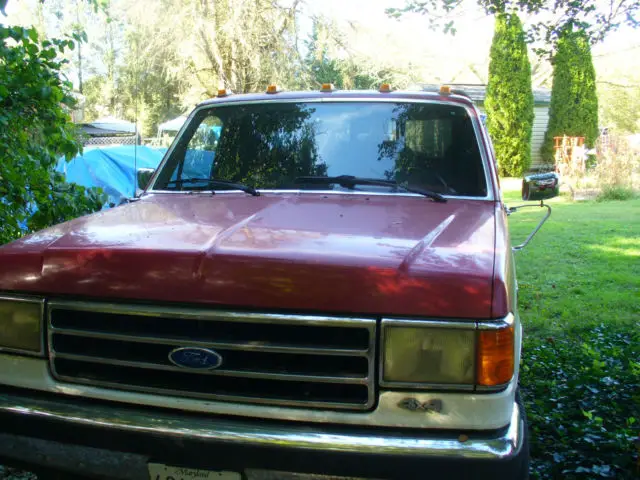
[(334, 253)]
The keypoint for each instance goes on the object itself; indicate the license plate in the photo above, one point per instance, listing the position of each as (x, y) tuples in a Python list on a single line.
[(159, 471)]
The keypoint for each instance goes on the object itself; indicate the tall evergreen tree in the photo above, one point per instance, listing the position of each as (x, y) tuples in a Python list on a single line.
[(509, 101), (574, 101)]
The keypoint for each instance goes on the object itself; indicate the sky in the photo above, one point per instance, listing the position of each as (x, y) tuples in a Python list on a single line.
[(475, 25), (410, 39), (448, 55)]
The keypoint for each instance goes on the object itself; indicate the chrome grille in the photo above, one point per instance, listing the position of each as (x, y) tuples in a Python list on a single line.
[(292, 360)]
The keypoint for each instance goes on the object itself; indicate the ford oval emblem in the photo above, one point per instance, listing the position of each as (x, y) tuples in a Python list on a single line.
[(195, 358)]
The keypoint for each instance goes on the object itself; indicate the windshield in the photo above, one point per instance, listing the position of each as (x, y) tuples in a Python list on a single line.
[(271, 145)]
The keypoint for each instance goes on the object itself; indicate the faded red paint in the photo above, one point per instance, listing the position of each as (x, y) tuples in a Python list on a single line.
[(305, 252), (504, 279)]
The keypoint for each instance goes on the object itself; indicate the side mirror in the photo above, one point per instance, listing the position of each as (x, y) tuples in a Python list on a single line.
[(540, 186), (143, 175)]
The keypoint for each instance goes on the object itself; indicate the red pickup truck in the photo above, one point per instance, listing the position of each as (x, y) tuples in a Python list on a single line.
[(311, 285)]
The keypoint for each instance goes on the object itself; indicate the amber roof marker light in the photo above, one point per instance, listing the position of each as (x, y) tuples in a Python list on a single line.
[(271, 89), (385, 88), (445, 90), (327, 87)]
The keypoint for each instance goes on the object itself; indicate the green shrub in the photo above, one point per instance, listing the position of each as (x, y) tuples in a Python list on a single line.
[(615, 171), (35, 131), (509, 101), (616, 193)]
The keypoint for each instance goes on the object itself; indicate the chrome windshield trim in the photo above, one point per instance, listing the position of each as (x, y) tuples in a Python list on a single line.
[(28, 299), (308, 192), (252, 434), (470, 109)]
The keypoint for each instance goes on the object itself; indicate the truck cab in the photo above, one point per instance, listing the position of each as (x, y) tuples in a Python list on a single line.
[(311, 285)]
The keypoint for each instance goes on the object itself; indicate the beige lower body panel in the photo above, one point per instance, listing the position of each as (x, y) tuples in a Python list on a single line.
[(462, 410)]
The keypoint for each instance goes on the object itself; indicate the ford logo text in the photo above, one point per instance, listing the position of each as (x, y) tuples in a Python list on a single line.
[(195, 358)]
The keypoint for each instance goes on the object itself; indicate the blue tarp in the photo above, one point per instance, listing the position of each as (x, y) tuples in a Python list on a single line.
[(111, 168)]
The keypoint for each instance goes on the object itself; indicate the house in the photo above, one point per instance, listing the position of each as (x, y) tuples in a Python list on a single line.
[(105, 131), (541, 99), (109, 131)]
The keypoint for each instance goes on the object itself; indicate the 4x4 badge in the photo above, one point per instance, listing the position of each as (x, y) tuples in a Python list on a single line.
[(415, 405)]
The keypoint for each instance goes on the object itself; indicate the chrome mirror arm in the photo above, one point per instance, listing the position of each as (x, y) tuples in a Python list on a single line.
[(511, 210)]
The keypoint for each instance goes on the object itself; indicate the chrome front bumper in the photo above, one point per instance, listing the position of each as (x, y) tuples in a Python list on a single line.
[(22, 408)]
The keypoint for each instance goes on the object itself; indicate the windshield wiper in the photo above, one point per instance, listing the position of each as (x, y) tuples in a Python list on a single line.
[(214, 182), (349, 181)]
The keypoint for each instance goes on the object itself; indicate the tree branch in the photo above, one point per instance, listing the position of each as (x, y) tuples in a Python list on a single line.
[(614, 84)]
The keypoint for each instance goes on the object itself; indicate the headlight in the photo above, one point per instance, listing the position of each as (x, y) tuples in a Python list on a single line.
[(423, 354), (20, 325), (429, 355)]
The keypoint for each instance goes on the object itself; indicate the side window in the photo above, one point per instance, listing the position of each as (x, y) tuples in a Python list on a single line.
[(200, 152)]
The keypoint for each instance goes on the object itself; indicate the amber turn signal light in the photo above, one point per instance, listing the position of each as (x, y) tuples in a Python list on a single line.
[(495, 356)]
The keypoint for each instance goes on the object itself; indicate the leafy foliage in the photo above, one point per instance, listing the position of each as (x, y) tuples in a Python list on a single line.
[(34, 132), (596, 19), (581, 393), (155, 60), (151, 60), (146, 89), (615, 170), (620, 105), (616, 193), (327, 62), (264, 147), (242, 45), (574, 101), (509, 101)]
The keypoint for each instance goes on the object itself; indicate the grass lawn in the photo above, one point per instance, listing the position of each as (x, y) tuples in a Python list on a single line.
[(579, 301)]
